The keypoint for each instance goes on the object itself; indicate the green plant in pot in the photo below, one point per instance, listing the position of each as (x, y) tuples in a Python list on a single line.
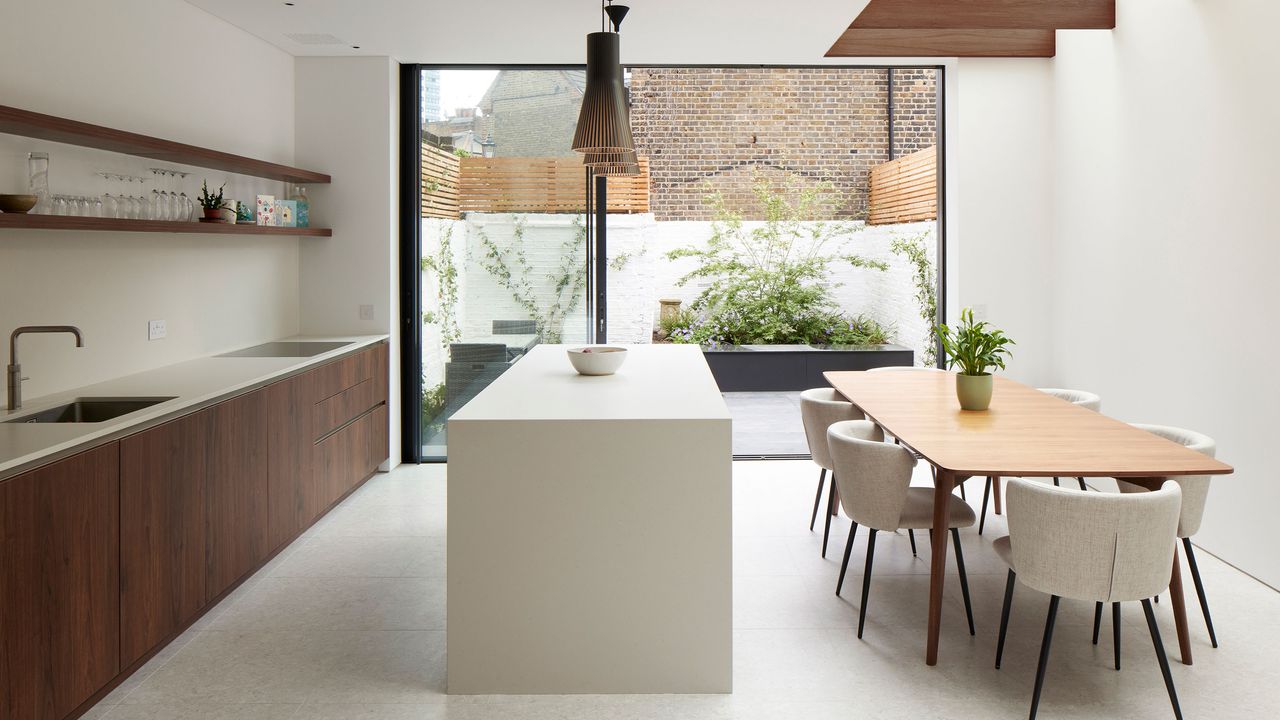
[(213, 204), (975, 350)]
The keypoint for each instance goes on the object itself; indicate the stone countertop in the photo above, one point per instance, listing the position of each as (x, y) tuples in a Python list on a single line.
[(192, 384)]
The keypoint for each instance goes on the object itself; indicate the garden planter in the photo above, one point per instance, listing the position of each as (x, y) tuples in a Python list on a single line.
[(974, 391), (791, 368)]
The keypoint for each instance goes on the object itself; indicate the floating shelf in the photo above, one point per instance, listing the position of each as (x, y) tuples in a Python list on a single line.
[(14, 121), (60, 222)]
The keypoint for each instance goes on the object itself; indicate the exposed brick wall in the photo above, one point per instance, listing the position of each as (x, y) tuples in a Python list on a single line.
[(713, 127)]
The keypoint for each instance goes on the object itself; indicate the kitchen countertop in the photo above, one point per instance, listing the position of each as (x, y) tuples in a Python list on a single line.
[(192, 384)]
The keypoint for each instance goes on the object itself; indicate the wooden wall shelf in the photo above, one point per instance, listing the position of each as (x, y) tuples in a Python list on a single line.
[(15, 121), (60, 222)]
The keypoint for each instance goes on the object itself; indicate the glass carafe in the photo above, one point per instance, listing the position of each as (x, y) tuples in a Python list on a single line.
[(38, 177)]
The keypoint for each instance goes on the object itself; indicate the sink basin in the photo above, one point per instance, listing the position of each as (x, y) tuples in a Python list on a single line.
[(90, 410), (299, 348)]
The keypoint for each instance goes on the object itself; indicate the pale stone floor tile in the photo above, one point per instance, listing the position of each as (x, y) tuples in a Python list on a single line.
[(348, 622)]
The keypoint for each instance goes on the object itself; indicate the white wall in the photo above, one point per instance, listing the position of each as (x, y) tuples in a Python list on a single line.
[(139, 65), (1000, 199), (347, 122), (1165, 252)]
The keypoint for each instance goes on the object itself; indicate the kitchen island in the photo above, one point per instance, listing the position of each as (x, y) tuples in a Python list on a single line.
[(589, 545)]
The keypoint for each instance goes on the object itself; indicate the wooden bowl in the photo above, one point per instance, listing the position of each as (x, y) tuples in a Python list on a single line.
[(17, 203)]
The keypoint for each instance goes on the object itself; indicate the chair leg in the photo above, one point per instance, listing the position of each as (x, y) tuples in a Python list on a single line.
[(866, 581), (817, 498), (1161, 657), (1097, 621), (1044, 654), (982, 516), (1204, 603), (1115, 631), (962, 497), (1004, 616), (848, 547), (912, 535), (831, 503), (1056, 483), (964, 579), (1082, 485)]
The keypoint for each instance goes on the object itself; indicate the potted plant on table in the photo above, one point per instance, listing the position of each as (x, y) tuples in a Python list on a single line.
[(213, 204), (975, 350)]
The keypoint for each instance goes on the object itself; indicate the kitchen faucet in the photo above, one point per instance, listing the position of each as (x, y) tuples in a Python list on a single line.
[(15, 370)]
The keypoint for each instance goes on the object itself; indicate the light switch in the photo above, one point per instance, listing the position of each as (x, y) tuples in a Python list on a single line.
[(366, 312)]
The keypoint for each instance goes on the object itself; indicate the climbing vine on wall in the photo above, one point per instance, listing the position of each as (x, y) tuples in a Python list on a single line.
[(445, 314), (549, 299), (916, 252)]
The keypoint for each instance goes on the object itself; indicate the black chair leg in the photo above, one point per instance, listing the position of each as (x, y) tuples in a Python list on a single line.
[(1044, 654), (1115, 630), (982, 516), (831, 500), (844, 565), (1082, 485), (912, 535), (866, 582), (817, 498), (1204, 603), (962, 497), (1004, 616), (1160, 656), (1097, 621), (1056, 483), (964, 579)]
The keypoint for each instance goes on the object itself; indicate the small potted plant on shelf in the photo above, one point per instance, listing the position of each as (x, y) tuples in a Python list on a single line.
[(976, 351), (213, 204)]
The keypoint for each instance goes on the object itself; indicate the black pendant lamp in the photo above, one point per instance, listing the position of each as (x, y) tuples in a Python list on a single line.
[(604, 123)]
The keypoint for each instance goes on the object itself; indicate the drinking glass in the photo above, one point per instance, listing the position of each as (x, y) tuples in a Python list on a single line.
[(107, 204), (158, 202), (187, 206), (59, 204), (38, 180)]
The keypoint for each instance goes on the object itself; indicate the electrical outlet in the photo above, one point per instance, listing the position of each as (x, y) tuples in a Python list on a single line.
[(156, 330), (366, 312), (980, 311)]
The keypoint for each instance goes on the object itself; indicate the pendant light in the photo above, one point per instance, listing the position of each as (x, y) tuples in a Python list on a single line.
[(613, 164), (604, 123)]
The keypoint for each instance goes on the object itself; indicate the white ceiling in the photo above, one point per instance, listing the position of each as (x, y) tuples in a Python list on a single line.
[(550, 31)]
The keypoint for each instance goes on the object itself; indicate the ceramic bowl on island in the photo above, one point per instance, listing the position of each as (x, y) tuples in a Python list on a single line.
[(597, 359)]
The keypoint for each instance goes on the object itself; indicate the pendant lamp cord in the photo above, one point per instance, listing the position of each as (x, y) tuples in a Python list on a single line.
[(602, 17)]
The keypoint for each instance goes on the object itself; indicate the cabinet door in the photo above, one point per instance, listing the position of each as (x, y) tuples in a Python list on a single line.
[(341, 459), (291, 504), (378, 439), (236, 508), (162, 531), (59, 584)]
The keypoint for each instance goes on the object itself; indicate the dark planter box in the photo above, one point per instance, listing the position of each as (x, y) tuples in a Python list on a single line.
[(768, 368)]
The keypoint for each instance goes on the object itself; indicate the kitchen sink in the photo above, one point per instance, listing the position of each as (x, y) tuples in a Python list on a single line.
[(288, 349), (90, 410)]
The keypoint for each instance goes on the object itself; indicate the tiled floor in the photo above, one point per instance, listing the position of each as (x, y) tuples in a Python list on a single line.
[(766, 423), (349, 621)]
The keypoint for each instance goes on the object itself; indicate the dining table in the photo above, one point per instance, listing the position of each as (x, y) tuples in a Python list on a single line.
[(1024, 433)]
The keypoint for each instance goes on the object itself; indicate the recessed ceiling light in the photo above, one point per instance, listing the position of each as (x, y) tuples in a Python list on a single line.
[(289, 4), (355, 47)]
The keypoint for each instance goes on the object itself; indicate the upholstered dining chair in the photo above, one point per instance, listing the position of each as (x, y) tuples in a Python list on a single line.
[(875, 491), (914, 368), (1195, 492), (1101, 547), (819, 408), (1087, 400)]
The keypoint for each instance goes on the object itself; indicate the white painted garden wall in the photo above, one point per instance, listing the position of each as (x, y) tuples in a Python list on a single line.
[(640, 274)]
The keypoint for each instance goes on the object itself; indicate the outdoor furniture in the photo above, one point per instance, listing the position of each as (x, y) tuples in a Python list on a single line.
[(1025, 434), (1079, 545), (875, 491), (1195, 491), (1076, 397), (819, 408)]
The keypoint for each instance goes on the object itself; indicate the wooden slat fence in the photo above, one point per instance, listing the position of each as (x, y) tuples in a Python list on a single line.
[(542, 185), (439, 183), (905, 190)]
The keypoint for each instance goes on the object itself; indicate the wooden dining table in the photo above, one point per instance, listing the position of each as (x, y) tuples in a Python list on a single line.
[(1025, 433)]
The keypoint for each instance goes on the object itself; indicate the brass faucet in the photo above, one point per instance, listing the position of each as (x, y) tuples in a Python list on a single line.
[(15, 370)]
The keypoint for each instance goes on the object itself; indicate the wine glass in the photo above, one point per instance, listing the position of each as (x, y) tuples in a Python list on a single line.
[(158, 203), (187, 206), (108, 201)]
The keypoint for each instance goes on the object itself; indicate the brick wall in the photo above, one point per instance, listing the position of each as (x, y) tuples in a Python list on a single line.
[(713, 127)]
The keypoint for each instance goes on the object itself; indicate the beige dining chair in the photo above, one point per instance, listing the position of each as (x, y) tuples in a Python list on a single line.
[(819, 408), (1195, 492), (915, 368), (1100, 547), (875, 491), (1087, 400)]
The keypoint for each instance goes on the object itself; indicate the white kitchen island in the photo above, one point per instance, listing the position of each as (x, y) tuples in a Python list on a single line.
[(589, 546)]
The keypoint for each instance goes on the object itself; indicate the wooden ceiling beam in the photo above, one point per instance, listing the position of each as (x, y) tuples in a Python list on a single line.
[(988, 14), (875, 42)]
